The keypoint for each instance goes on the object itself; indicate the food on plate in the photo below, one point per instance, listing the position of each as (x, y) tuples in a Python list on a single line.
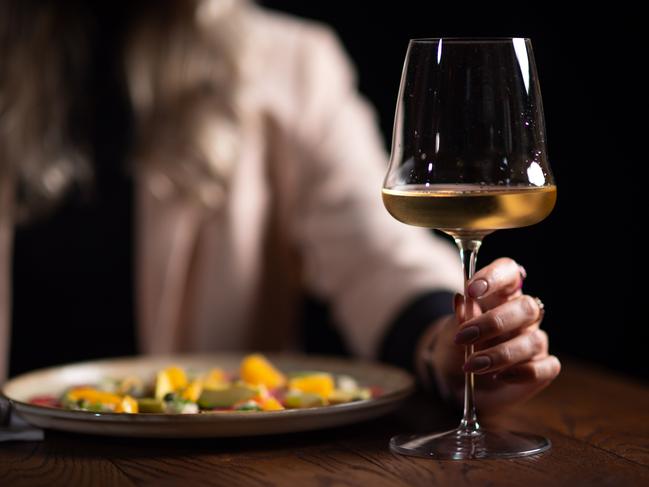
[(257, 386)]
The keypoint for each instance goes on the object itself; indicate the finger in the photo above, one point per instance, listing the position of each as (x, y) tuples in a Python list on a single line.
[(517, 350), (508, 336), (539, 370), (517, 313), (494, 283), (496, 299), (460, 308), (534, 376)]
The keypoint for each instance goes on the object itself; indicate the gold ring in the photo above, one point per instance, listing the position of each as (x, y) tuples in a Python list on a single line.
[(541, 306)]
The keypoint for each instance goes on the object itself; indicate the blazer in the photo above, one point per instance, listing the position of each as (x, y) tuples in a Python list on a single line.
[(303, 211)]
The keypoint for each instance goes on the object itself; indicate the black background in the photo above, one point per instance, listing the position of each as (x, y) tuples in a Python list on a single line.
[(587, 260), (582, 259)]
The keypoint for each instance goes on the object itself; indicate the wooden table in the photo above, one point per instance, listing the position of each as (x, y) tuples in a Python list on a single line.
[(598, 423)]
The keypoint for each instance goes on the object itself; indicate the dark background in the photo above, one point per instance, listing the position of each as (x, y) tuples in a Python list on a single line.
[(581, 260)]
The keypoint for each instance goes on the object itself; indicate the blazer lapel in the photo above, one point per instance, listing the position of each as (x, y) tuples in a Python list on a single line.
[(166, 231)]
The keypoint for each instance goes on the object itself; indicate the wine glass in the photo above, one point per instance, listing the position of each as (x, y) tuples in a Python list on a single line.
[(469, 157)]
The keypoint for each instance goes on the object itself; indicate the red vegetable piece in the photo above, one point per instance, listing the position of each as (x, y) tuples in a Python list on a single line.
[(45, 400)]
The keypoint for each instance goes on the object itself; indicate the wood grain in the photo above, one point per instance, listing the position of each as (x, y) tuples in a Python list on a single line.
[(598, 423)]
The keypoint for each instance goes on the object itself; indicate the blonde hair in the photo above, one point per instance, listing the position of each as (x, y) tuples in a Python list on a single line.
[(182, 66)]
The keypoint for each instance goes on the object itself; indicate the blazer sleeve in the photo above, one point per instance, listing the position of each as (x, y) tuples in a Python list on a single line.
[(367, 265)]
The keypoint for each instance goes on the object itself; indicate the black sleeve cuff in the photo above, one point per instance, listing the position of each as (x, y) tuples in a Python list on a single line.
[(400, 341)]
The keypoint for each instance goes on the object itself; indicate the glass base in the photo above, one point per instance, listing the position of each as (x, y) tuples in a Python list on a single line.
[(459, 445)]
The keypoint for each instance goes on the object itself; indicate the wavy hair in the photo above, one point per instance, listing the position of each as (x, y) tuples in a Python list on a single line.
[(182, 66)]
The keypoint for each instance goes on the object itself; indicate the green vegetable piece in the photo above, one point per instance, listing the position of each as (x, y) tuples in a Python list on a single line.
[(225, 398), (150, 405), (298, 400), (180, 406), (247, 406), (96, 407), (339, 396)]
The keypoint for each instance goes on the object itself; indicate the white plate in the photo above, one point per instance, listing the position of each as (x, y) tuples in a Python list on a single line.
[(395, 384)]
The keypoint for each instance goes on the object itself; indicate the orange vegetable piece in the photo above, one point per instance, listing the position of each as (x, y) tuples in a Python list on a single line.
[(193, 391), (127, 405), (93, 395), (257, 370), (171, 379), (177, 377), (271, 404), (320, 384)]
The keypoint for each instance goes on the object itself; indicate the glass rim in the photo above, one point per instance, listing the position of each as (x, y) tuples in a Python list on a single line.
[(466, 40)]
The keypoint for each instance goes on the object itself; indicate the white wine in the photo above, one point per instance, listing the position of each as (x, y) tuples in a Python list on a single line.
[(469, 207)]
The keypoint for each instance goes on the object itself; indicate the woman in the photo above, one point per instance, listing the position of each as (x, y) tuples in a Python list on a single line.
[(253, 166)]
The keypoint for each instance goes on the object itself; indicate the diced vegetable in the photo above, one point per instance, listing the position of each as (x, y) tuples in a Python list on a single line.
[(271, 404), (95, 407), (259, 387), (127, 405), (171, 379), (215, 379), (177, 377), (298, 400), (179, 406), (318, 383), (190, 408), (339, 396), (346, 383), (193, 391), (247, 406), (131, 385), (45, 400), (256, 369), (262, 393), (225, 398), (93, 396), (150, 405)]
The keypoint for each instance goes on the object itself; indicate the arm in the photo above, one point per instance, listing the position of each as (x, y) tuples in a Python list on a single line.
[(368, 266), (390, 285)]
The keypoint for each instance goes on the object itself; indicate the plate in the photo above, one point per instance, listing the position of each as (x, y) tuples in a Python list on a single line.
[(395, 384)]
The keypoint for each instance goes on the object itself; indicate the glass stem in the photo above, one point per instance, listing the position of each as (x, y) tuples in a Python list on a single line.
[(469, 247)]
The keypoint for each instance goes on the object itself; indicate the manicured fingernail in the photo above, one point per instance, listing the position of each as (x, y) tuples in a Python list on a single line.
[(476, 364), (522, 271), (468, 335), (478, 288)]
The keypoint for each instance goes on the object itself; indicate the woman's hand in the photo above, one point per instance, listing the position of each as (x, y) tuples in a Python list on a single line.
[(510, 361)]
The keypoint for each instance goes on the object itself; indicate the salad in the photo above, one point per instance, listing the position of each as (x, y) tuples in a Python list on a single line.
[(257, 386)]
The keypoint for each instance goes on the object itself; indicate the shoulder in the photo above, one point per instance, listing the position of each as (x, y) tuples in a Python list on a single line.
[(293, 64), (287, 34)]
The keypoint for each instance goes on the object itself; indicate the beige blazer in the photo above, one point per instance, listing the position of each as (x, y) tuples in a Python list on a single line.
[(304, 211)]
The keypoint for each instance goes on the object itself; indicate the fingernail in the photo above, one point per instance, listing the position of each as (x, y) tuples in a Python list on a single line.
[(476, 364), (478, 288), (468, 335), (523, 273), (522, 270)]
